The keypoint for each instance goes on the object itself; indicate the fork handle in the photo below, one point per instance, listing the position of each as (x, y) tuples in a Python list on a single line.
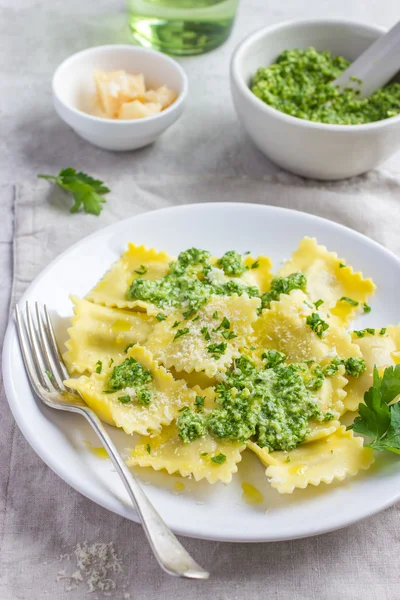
[(170, 554)]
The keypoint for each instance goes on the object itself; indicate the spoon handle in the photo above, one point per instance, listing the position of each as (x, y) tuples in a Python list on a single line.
[(376, 66)]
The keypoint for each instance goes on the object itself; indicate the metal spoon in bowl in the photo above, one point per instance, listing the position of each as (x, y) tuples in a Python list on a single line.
[(375, 67)]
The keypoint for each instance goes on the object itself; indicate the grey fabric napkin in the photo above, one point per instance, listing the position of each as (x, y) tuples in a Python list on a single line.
[(44, 519)]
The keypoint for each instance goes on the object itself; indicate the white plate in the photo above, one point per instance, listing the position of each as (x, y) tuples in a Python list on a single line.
[(201, 510)]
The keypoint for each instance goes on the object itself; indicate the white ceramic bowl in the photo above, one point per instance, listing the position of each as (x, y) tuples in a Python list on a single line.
[(73, 87), (309, 149)]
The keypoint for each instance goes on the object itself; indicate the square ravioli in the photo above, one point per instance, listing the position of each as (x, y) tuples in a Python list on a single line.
[(210, 340)]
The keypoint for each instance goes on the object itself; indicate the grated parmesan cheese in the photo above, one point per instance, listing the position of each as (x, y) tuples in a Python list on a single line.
[(97, 564)]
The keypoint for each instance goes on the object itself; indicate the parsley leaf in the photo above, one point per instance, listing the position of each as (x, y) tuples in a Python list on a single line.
[(124, 399), (366, 308), (85, 190), (217, 350), (148, 448), (160, 317), (363, 332), (219, 459), (141, 271), (377, 419), (199, 402), (349, 301), (127, 348), (255, 264), (382, 331), (99, 366), (341, 266), (318, 303), (204, 331), (181, 332)]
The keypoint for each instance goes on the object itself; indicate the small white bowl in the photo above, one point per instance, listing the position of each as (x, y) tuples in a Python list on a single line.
[(73, 88), (307, 148)]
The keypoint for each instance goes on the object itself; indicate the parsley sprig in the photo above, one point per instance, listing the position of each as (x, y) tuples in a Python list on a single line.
[(378, 419), (86, 191)]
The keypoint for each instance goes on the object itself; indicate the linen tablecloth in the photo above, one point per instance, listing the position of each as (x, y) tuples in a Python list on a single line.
[(205, 157)]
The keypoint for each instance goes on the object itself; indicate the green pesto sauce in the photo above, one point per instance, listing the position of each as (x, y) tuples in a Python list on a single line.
[(232, 264), (283, 285), (187, 284), (272, 406), (299, 84), (131, 374)]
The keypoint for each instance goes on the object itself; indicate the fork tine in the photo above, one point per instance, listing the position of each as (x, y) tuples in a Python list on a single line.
[(54, 345), (26, 352), (41, 367), (47, 352)]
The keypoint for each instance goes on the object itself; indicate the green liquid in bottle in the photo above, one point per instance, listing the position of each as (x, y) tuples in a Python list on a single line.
[(181, 27)]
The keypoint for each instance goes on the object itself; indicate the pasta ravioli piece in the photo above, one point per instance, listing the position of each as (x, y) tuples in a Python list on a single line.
[(168, 397), (137, 261), (167, 451), (283, 327), (99, 333), (328, 279), (258, 273), (334, 457), (380, 350), (199, 345)]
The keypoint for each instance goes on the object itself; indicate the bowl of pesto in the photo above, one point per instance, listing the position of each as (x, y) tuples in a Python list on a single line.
[(281, 83)]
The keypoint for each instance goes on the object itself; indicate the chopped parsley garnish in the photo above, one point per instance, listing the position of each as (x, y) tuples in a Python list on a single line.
[(215, 315), (255, 264), (382, 331), (49, 374), (349, 301), (128, 346), (148, 448), (176, 324), (197, 317), (341, 266), (160, 317), (99, 366), (283, 285), (199, 402), (219, 459), (317, 324), (204, 454), (141, 271), (188, 313), (131, 374), (271, 406), (225, 324), (124, 399), (363, 332), (110, 362), (181, 332), (217, 350), (204, 331), (366, 308), (232, 264), (228, 335), (85, 190), (318, 303), (379, 419), (273, 358)]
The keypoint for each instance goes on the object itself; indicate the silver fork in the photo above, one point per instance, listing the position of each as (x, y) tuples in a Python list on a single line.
[(46, 372)]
